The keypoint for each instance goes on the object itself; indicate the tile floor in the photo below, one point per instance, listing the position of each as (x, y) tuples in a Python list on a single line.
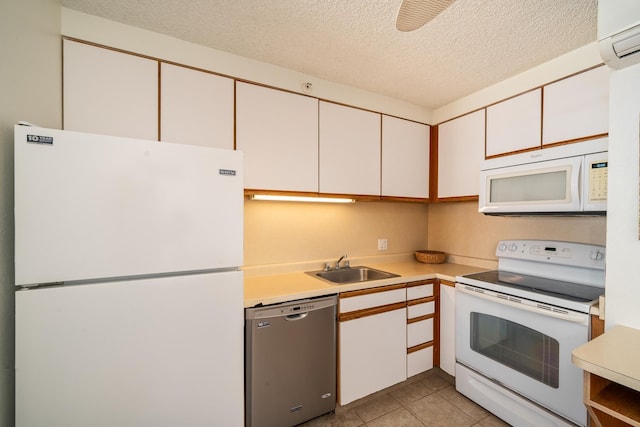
[(425, 400)]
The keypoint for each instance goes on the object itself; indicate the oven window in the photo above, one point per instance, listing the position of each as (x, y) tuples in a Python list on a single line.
[(521, 348)]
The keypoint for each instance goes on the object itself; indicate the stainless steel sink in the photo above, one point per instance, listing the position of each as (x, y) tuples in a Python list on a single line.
[(351, 275)]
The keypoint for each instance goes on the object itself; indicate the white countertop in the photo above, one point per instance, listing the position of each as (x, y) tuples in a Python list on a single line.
[(275, 288), (613, 355)]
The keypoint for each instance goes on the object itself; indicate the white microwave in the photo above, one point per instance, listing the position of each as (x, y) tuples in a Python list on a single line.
[(565, 180)]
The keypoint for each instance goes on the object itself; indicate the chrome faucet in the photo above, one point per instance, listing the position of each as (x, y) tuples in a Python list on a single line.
[(340, 259)]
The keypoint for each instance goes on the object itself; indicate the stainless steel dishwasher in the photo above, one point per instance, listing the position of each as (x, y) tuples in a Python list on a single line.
[(290, 362)]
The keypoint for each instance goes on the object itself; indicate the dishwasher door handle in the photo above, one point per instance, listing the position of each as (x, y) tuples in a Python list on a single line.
[(297, 316)]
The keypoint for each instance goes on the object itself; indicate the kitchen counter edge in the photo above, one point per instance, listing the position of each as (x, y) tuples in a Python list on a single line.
[(612, 355), (277, 288)]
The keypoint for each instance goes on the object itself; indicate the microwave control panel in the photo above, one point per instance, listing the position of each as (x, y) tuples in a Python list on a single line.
[(598, 171), (595, 181)]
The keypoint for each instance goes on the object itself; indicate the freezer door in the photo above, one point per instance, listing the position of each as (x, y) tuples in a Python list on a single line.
[(93, 206), (153, 352)]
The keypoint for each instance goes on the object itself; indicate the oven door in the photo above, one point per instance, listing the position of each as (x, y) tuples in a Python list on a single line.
[(523, 347)]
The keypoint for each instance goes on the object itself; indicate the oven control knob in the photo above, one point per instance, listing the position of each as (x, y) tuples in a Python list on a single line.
[(513, 247), (502, 247), (596, 255)]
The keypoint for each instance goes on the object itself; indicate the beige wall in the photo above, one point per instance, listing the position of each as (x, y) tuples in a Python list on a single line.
[(458, 229), (288, 232), (283, 232), (31, 70)]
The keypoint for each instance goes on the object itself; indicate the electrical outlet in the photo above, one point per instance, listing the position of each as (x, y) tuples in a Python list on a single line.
[(382, 244)]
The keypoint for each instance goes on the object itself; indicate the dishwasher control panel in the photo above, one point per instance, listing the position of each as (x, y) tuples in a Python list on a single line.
[(290, 308)]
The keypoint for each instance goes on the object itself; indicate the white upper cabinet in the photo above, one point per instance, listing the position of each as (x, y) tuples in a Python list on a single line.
[(109, 92), (195, 107), (576, 107), (460, 154), (278, 133), (405, 158), (514, 124), (349, 150)]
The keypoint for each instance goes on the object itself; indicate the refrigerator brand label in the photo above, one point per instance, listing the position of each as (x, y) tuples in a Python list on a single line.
[(229, 172), (263, 324), (40, 139)]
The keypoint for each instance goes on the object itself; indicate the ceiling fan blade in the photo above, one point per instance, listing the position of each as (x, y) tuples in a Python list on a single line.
[(413, 14)]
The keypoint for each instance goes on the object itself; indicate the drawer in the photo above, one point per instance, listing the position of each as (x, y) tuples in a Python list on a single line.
[(420, 291), (419, 332), (374, 297), (419, 361), (417, 310)]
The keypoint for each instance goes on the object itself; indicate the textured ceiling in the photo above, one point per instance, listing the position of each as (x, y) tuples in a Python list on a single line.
[(471, 45)]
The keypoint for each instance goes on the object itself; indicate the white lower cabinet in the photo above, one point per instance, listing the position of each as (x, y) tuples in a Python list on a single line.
[(372, 342), (448, 327), (421, 309), (419, 360), (419, 332), (386, 335)]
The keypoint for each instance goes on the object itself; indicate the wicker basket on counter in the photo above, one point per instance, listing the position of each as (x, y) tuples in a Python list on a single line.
[(430, 257)]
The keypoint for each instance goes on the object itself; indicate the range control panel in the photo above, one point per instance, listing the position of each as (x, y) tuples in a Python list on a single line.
[(553, 252)]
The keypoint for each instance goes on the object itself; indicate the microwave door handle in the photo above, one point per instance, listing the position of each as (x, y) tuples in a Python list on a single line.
[(576, 185), (562, 316)]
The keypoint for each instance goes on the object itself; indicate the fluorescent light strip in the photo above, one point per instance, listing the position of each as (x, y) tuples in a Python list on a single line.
[(300, 199)]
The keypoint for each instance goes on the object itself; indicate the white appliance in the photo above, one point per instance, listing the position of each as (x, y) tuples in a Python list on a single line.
[(516, 328), (619, 32), (565, 180), (129, 297)]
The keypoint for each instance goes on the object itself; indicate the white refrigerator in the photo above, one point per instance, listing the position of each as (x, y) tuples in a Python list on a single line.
[(129, 296)]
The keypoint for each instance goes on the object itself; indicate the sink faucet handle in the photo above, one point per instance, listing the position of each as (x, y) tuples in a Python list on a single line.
[(340, 259), (327, 267)]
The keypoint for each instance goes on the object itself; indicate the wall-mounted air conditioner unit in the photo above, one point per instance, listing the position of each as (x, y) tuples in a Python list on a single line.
[(619, 32)]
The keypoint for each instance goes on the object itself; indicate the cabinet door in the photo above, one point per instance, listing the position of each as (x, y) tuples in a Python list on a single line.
[(419, 332), (419, 361), (418, 309), (375, 297), (349, 150), (421, 289), (460, 154), (576, 107), (195, 107), (373, 354), (405, 158), (109, 92), (278, 133), (448, 328), (514, 124)]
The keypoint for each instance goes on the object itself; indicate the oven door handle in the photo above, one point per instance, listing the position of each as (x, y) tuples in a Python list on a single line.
[(576, 318)]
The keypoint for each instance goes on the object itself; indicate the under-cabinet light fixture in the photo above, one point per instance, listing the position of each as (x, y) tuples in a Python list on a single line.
[(300, 199)]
